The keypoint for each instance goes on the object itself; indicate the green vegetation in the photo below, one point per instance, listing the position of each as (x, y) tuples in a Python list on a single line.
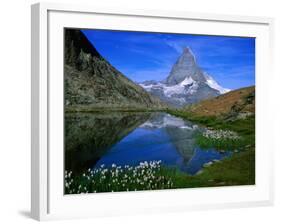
[(94, 109), (245, 128), (219, 143), (237, 170), (220, 139)]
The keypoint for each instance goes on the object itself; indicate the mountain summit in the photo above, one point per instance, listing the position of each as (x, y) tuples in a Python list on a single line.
[(185, 67), (186, 83)]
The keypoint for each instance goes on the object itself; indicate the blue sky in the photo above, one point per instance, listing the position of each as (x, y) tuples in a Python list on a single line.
[(149, 56)]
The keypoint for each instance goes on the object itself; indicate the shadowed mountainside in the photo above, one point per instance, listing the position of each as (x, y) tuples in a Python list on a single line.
[(92, 82)]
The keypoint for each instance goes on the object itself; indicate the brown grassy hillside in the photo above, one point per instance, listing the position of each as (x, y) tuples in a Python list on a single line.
[(238, 103)]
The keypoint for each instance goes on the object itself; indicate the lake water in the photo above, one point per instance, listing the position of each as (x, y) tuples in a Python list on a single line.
[(130, 138)]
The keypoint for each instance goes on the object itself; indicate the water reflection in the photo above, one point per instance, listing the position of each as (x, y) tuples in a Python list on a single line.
[(130, 138), (89, 136)]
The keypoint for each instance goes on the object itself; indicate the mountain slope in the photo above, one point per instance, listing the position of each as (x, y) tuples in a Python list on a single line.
[(185, 84), (239, 103), (92, 82)]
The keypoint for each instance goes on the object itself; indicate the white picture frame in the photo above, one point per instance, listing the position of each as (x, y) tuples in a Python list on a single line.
[(47, 201)]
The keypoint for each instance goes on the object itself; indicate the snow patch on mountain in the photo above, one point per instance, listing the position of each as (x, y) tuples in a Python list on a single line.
[(187, 86), (180, 88), (214, 85)]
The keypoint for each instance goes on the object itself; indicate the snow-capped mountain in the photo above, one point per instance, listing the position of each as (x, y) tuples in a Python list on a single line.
[(213, 84), (186, 83)]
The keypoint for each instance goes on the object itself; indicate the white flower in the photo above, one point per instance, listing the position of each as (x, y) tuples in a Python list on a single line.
[(217, 134)]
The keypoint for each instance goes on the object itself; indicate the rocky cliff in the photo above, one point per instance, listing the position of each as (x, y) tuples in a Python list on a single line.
[(92, 82)]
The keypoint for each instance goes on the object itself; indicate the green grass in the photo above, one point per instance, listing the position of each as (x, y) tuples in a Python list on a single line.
[(220, 144), (237, 170)]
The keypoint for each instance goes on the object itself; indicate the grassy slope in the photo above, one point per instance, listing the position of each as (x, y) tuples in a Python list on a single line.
[(223, 104)]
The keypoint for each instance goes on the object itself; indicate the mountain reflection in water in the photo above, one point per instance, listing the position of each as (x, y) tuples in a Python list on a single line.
[(130, 138)]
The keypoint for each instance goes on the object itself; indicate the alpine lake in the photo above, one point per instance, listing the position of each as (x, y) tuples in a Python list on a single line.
[(130, 138)]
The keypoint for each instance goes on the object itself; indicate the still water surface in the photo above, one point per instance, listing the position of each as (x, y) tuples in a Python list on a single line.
[(130, 138)]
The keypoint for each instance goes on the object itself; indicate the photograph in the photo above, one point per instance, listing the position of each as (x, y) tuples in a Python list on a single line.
[(157, 111)]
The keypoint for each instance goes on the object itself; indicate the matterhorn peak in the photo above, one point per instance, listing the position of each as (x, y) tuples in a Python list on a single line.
[(187, 55), (187, 50), (187, 83), (185, 67)]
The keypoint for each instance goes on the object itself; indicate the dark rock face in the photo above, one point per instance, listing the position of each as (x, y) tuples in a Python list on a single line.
[(92, 81), (185, 84), (77, 46)]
